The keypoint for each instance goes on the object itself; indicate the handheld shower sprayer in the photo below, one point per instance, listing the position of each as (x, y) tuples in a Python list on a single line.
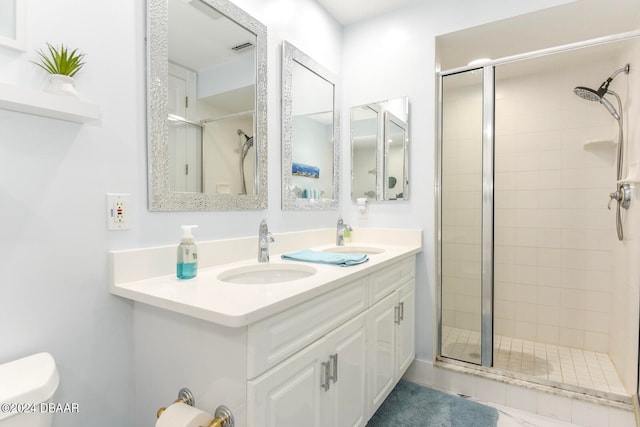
[(623, 193)]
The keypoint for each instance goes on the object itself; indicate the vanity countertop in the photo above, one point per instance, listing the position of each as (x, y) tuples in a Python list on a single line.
[(236, 305)]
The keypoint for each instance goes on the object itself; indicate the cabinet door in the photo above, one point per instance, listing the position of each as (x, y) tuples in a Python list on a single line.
[(290, 394), (381, 360), (406, 328), (347, 395)]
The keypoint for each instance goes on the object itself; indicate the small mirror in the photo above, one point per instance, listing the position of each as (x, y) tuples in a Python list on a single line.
[(310, 153), (207, 125), (380, 150)]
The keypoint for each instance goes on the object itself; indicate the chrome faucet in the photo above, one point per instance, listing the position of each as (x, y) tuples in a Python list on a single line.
[(264, 238), (341, 227)]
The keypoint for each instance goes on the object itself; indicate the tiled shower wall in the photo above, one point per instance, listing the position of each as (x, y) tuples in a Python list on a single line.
[(623, 346), (554, 237)]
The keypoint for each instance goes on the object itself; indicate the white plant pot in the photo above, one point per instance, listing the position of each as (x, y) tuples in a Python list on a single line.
[(60, 84)]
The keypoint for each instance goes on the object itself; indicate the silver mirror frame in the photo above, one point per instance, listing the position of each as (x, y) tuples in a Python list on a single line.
[(389, 118), (160, 196), (289, 203), (381, 172)]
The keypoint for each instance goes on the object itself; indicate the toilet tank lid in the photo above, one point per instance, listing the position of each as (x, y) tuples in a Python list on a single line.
[(32, 379)]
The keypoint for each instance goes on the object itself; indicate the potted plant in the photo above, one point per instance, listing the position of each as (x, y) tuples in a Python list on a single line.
[(62, 64)]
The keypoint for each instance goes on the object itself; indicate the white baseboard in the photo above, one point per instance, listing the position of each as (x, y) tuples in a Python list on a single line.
[(420, 372)]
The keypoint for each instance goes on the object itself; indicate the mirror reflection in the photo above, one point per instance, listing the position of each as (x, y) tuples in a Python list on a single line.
[(364, 150), (309, 133), (380, 150), (207, 126), (395, 141), (211, 100)]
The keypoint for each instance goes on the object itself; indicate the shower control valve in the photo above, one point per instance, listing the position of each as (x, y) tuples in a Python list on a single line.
[(622, 196)]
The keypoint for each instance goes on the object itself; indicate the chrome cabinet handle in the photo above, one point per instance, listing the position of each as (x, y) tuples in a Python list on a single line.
[(326, 376), (333, 359), (402, 311), (397, 314)]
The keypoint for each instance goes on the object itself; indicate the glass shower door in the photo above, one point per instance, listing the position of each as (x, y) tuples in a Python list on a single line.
[(463, 205)]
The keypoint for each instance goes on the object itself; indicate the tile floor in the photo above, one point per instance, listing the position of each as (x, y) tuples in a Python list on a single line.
[(509, 417), (581, 368)]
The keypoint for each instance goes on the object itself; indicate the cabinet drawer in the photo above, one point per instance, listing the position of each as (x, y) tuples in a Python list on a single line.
[(391, 278), (274, 339)]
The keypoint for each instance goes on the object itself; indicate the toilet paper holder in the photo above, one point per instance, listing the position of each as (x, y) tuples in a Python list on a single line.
[(223, 415)]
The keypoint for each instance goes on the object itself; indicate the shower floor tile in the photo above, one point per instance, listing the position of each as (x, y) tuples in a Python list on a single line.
[(576, 367)]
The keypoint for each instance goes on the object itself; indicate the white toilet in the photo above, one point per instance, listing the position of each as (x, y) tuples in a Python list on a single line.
[(25, 384)]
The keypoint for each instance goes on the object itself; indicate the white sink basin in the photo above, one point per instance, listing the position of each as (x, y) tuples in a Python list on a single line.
[(369, 250), (266, 273)]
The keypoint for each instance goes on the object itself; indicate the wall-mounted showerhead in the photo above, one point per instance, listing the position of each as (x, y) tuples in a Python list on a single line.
[(598, 95), (587, 93)]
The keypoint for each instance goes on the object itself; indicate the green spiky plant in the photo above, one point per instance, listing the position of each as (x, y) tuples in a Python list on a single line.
[(59, 60)]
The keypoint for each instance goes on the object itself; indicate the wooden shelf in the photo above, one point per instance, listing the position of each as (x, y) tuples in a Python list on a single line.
[(25, 100)]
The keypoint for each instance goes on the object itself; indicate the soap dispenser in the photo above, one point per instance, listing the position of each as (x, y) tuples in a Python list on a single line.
[(187, 263)]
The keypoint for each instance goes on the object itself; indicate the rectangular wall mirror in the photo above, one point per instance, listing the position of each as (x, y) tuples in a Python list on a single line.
[(13, 24), (206, 107), (380, 150), (310, 133)]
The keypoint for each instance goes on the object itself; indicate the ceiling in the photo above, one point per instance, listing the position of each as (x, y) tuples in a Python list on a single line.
[(350, 11), (561, 25), (574, 21)]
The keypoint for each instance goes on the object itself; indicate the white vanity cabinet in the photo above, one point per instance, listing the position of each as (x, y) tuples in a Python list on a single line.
[(390, 328), (342, 377), (324, 350), (323, 384), (406, 327)]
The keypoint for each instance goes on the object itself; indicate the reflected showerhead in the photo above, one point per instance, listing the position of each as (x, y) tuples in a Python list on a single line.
[(246, 137)]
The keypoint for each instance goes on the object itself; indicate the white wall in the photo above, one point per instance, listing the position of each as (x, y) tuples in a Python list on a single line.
[(54, 177)]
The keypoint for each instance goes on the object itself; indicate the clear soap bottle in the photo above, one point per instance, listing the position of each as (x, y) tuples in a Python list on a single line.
[(187, 262)]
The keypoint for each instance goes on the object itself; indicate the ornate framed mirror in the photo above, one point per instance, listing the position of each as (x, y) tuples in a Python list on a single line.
[(206, 107), (310, 133)]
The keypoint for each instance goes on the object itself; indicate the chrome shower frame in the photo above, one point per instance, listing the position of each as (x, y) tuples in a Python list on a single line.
[(487, 184)]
